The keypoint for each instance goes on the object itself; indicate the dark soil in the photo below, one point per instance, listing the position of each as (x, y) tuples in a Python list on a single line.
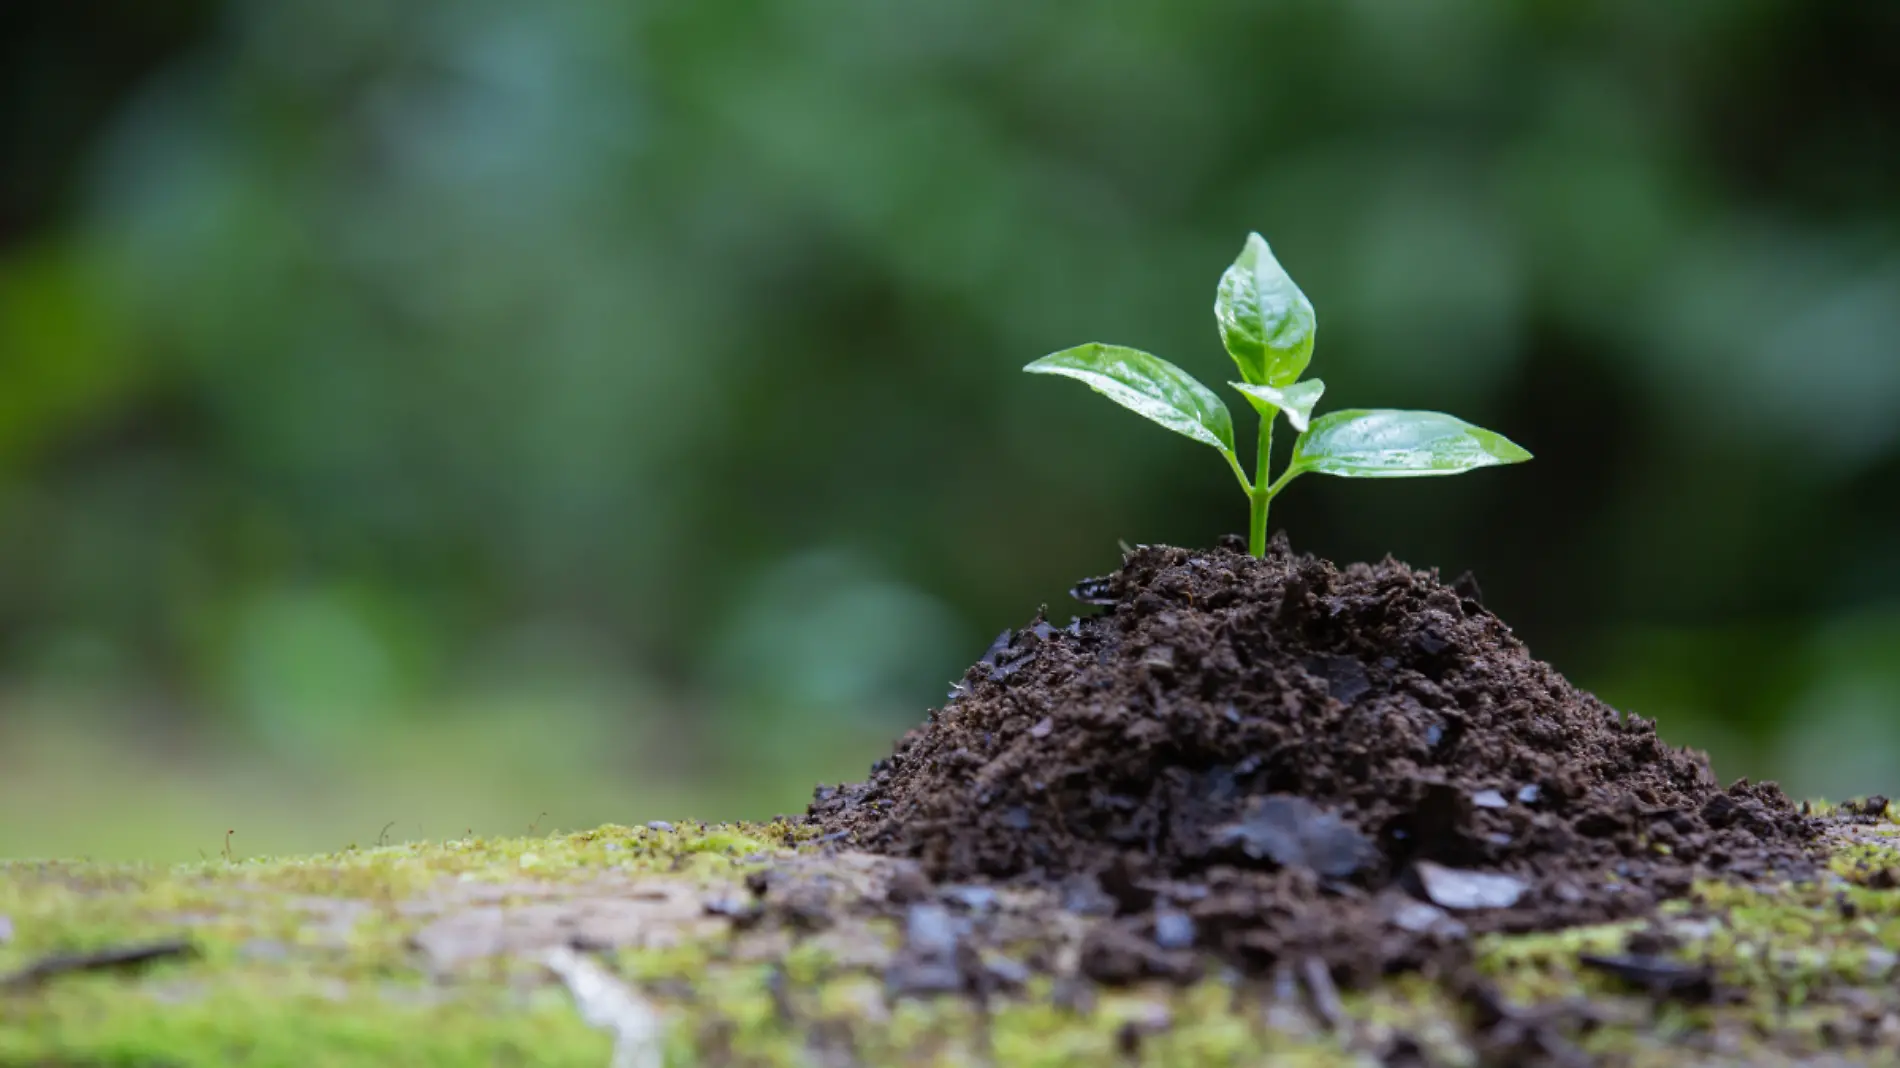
[(1280, 761)]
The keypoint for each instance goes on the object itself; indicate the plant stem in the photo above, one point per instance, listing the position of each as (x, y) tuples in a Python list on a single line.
[(1246, 487), (1263, 489)]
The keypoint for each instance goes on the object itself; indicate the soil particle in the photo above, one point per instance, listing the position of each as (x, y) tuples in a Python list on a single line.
[(1493, 799), (1420, 917), (1173, 930), (1262, 757), (928, 960), (1292, 832), (1451, 888), (1116, 954), (1871, 809), (971, 898)]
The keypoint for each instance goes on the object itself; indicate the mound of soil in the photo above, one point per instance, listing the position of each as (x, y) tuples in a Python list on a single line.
[(1277, 760)]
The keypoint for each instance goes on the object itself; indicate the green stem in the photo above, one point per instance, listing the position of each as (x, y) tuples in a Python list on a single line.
[(1246, 487), (1263, 490)]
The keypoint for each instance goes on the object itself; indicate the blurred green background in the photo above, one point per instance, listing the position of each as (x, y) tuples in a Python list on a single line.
[(431, 417)]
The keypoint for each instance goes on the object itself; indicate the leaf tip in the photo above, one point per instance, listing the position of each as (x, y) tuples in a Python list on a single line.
[(1056, 362), (1507, 451)]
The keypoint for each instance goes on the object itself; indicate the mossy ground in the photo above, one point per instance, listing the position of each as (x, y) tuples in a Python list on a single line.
[(423, 954)]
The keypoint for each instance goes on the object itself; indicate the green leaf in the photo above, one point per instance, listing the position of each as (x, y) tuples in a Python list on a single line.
[(1265, 321), (1394, 444), (1148, 385), (1296, 400)]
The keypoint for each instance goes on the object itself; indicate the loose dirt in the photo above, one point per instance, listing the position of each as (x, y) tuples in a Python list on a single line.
[(1277, 761)]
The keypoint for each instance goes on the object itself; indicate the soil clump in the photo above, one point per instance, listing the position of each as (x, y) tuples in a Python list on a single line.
[(1282, 762)]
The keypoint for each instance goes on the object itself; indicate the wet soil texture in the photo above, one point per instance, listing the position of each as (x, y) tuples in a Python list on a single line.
[(1283, 762)]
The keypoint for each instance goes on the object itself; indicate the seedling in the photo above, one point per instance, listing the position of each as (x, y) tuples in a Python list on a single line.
[(1267, 326)]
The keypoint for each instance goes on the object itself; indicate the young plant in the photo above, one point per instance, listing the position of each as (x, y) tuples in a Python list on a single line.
[(1267, 326)]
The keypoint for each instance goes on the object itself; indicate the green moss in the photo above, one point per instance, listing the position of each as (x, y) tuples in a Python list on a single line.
[(314, 961), (274, 1017), (725, 842), (1800, 967), (308, 960)]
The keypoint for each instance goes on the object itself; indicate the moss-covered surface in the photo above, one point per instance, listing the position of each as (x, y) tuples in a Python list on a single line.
[(428, 953)]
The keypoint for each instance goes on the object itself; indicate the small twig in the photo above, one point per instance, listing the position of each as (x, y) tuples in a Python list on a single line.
[(1319, 983), (533, 827), (610, 1005), (382, 837), (111, 958), (228, 858), (1661, 977)]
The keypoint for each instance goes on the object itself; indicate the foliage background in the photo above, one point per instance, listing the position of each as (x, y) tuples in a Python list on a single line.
[(474, 414)]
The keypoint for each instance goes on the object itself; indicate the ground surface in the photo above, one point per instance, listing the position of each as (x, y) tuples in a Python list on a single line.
[(1252, 811), (759, 945)]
